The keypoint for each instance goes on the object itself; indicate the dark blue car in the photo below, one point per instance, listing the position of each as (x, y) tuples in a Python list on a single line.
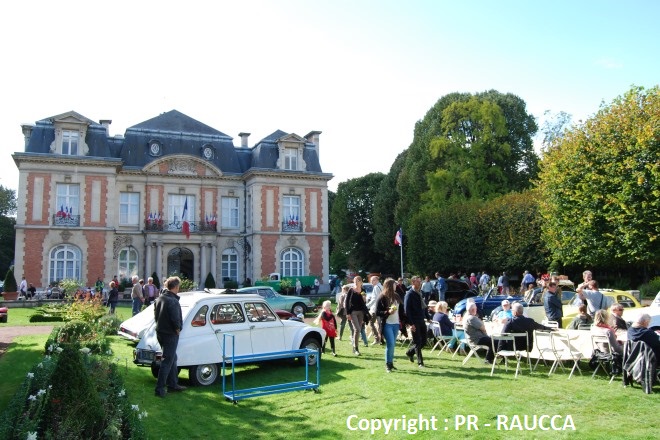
[(487, 303)]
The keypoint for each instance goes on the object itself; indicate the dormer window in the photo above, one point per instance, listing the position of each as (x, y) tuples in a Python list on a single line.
[(291, 159), (70, 141)]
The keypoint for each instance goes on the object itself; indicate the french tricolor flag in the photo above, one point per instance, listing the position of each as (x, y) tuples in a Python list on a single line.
[(185, 227), (398, 238)]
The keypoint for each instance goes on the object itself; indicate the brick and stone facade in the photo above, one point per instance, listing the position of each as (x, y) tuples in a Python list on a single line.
[(93, 205)]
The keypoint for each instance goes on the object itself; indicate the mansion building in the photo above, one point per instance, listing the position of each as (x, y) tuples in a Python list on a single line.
[(172, 195)]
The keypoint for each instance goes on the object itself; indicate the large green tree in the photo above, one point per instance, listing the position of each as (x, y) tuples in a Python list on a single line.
[(383, 220), (7, 224), (468, 146), (599, 184), (351, 223)]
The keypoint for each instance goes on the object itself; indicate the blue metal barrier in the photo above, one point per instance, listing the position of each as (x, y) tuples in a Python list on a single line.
[(233, 394)]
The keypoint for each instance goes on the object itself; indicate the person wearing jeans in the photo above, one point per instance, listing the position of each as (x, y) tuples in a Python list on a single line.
[(389, 311), (136, 295), (169, 321), (355, 308)]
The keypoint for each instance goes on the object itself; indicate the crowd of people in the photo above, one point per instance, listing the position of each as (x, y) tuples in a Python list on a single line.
[(395, 309)]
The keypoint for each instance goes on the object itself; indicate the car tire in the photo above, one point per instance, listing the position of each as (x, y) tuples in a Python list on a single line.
[(204, 375), (313, 344), (298, 308)]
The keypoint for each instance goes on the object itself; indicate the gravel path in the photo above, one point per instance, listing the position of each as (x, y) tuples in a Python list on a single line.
[(8, 333)]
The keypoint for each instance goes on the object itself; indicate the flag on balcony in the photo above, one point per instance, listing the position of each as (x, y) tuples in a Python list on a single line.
[(398, 238), (185, 226)]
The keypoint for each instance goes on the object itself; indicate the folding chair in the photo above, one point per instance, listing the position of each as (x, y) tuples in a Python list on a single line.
[(523, 352), (604, 356), (564, 351), (474, 348), (551, 324), (542, 348), (459, 335), (442, 341), (505, 353)]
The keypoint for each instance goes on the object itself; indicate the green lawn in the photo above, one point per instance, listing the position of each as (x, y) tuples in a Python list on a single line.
[(360, 387)]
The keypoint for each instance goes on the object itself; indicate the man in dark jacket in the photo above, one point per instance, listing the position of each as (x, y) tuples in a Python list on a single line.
[(521, 324), (640, 331), (169, 321), (552, 304), (416, 312)]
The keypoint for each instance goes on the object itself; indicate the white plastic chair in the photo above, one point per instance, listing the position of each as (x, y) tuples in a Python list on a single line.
[(542, 350), (505, 353), (564, 351), (442, 341)]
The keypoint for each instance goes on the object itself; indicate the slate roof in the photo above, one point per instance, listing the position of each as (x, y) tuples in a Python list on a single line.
[(177, 133)]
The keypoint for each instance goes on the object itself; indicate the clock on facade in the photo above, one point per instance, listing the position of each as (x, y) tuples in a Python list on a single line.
[(207, 152), (154, 148)]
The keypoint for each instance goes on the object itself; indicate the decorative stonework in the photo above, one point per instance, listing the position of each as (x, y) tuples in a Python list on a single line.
[(292, 241), (66, 236), (182, 166), (120, 242)]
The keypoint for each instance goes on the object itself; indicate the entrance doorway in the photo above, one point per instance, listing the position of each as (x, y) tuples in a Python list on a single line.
[(181, 261)]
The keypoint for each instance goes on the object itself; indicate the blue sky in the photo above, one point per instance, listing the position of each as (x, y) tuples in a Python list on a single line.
[(362, 72)]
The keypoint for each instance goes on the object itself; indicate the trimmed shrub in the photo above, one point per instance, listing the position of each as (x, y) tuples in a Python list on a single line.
[(46, 318), (210, 281), (10, 281), (156, 280), (72, 395)]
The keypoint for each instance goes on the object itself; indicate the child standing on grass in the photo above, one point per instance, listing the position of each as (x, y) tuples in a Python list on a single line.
[(329, 324)]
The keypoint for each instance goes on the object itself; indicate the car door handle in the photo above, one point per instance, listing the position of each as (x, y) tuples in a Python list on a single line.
[(252, 327)]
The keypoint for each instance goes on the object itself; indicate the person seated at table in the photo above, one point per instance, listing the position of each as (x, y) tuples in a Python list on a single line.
[(601, 327), (505, 315), (440, 316), (640, 331), (521, 324), (582, 318), (475, 331), (430, 309), (616, 321)]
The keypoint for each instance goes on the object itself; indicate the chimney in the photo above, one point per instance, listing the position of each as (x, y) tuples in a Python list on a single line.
[(27, 132), (313, 137), (244, 139), (106, 123)]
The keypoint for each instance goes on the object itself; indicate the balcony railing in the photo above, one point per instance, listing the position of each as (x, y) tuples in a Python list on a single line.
[(67, 220), (177, 225), (291, 226)]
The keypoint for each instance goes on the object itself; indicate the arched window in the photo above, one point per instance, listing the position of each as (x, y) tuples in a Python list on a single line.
[(292, 262), (128, 263), (65, 262), (229, 265)]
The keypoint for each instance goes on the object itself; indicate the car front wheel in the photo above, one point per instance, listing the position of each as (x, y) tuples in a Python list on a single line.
[(204, 375), (298, 308), (311, 343)]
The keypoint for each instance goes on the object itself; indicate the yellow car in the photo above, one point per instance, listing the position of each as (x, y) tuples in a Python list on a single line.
[(626, 299)]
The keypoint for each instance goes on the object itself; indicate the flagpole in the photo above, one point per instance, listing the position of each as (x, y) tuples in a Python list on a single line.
[(401, 249)]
